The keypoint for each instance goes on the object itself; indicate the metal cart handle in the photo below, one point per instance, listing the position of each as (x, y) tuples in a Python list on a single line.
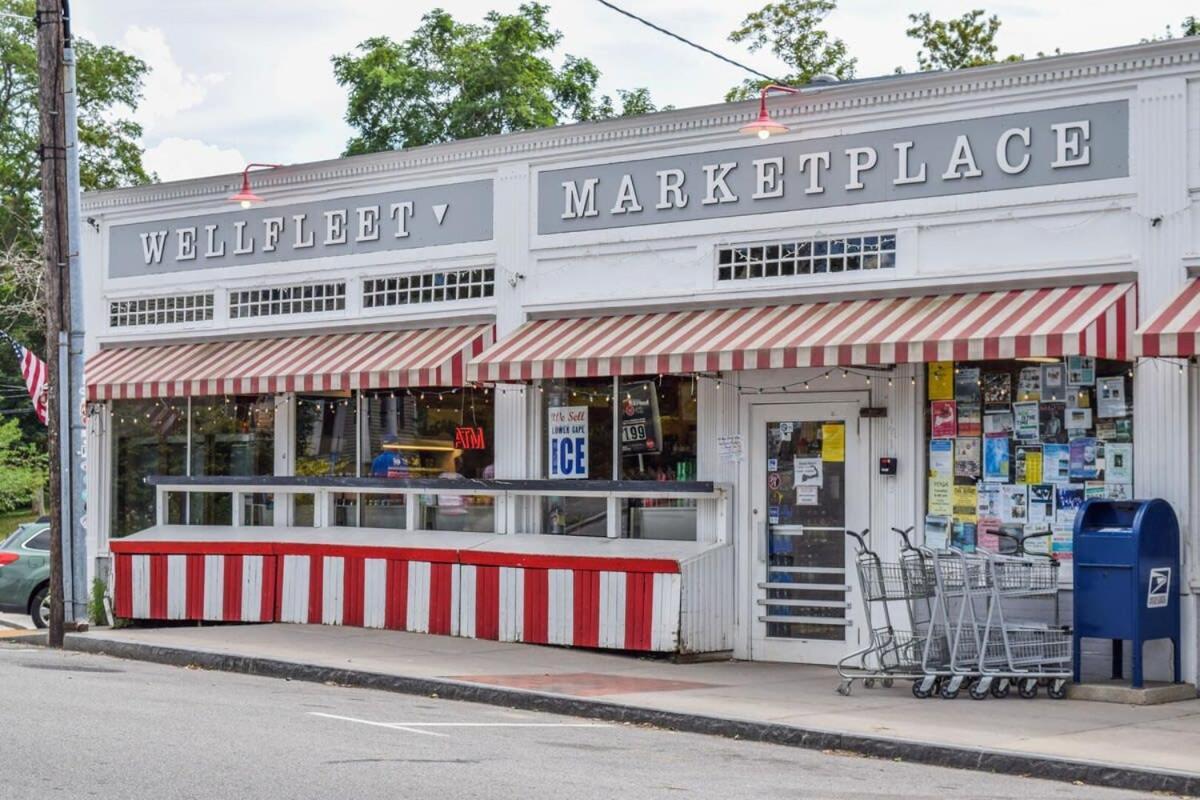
[(1042, 535), (860, 538), (904, 535)]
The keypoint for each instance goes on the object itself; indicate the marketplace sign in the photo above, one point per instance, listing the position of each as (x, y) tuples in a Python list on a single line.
[(431, 215), (1011, 151)]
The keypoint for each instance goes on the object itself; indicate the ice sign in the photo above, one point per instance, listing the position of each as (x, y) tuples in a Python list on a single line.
[(568, 429)]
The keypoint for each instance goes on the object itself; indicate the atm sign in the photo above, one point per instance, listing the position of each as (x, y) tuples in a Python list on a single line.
[(469, 438)]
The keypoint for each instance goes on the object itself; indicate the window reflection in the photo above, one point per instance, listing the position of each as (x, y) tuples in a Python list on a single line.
[(429, 434), (149, 437)]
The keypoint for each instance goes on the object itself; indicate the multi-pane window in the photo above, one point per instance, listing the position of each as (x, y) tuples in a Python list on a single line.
[(806, 257), (429, 287), (168, 310), (312, 298)]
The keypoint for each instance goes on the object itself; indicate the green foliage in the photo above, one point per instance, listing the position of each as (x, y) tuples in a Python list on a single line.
[(452, 80), (791, 30), (22, 467), (968, 41), (1189, 27), (634, 102), (109, 84), (97, 608)]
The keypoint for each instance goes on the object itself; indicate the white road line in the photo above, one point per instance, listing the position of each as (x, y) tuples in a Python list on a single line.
[(502, 724), (419, 727), (377, 724)]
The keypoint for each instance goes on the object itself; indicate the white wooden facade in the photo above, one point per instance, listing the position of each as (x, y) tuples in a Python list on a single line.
[(1141, 227)]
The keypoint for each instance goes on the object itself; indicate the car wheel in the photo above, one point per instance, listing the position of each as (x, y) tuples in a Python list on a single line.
[(39, 607)]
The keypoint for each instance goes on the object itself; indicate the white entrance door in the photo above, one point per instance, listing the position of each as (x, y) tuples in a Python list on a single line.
[(809, 483)]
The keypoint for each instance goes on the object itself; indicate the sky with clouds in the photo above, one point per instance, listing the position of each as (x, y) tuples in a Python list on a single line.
[(236, 81)]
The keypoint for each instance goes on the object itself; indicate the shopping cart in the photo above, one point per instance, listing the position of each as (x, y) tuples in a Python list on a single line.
[(950, 657), (1019, 644), (891, 652)]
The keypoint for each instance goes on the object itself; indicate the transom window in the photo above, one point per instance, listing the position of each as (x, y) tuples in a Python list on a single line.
[(806, 257), (313, 298), (429, 287), (165, 310)]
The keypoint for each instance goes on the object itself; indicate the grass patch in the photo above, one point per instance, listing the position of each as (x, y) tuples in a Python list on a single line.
[(9, 520)]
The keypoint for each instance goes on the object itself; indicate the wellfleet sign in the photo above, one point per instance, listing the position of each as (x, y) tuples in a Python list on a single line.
[(451, 213), (1010, 151)]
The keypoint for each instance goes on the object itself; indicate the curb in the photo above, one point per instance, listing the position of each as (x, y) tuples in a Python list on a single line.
[(1006, 762)]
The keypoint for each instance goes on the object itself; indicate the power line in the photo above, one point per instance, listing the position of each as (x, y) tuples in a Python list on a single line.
[(688, 42)]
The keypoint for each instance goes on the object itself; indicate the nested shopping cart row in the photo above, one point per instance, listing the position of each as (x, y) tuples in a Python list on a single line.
[(949, 619)]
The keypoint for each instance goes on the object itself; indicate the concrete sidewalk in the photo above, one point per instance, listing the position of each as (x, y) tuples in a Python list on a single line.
[(1137, 747)]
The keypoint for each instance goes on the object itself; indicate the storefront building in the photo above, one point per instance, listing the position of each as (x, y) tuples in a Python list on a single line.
[(625, 384)]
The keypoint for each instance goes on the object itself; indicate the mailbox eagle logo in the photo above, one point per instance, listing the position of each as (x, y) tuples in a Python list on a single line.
[(1159, 588)]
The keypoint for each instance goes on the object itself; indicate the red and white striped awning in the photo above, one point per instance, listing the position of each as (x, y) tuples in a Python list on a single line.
[(1075, 320), (1175, 329), (330, 362)]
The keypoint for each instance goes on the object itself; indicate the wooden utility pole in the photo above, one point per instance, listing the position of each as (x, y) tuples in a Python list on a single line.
[(55, 249)]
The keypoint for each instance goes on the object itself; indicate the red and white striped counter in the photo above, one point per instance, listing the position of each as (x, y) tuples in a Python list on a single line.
[(602, 593)]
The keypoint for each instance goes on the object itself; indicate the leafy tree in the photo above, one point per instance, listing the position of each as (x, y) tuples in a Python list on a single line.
[(109, 84), (968, 41), (22, 467), (452, 80), (634, 102), (1189, 27), (791, 30)]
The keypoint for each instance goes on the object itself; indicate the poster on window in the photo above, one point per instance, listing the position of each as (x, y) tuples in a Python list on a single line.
[(568, 436), (808, 472), (1118, 462), (1062, 543), (965, 503), (937, 532), (1056, 463), (1110, 397), (970, 419), (1067, 500), (1026, 421), (641, 426), (1013, 503), (968, 455), (996, 466), (966, 384), (1084, 459), (987, 497), (945, 418), (1029, 384), (963, 536), (1052, 422), (1054, 384), (999, 423), (1028, 463), (941, 380), (997, 391), (1081, 371), (1041, 504), (941, 458)]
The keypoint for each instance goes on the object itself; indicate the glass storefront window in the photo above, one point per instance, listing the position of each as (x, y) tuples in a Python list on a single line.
[(658, 443), (149, 437), (326, 426), (233, 436), (1015, 447), (590, 400), (430, 434)]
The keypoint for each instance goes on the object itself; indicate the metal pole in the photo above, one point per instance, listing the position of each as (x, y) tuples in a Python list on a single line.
[(75, 565), (54, 247)]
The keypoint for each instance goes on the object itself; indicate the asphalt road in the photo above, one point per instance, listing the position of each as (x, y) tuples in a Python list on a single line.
[(81, 726)]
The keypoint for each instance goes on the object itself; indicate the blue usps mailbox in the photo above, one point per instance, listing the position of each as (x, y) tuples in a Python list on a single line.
[(1127, 578)]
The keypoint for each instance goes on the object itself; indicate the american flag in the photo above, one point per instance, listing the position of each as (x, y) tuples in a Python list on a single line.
[(33, 370)]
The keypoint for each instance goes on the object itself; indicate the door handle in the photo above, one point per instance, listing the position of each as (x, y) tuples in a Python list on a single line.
[(762, 542)]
